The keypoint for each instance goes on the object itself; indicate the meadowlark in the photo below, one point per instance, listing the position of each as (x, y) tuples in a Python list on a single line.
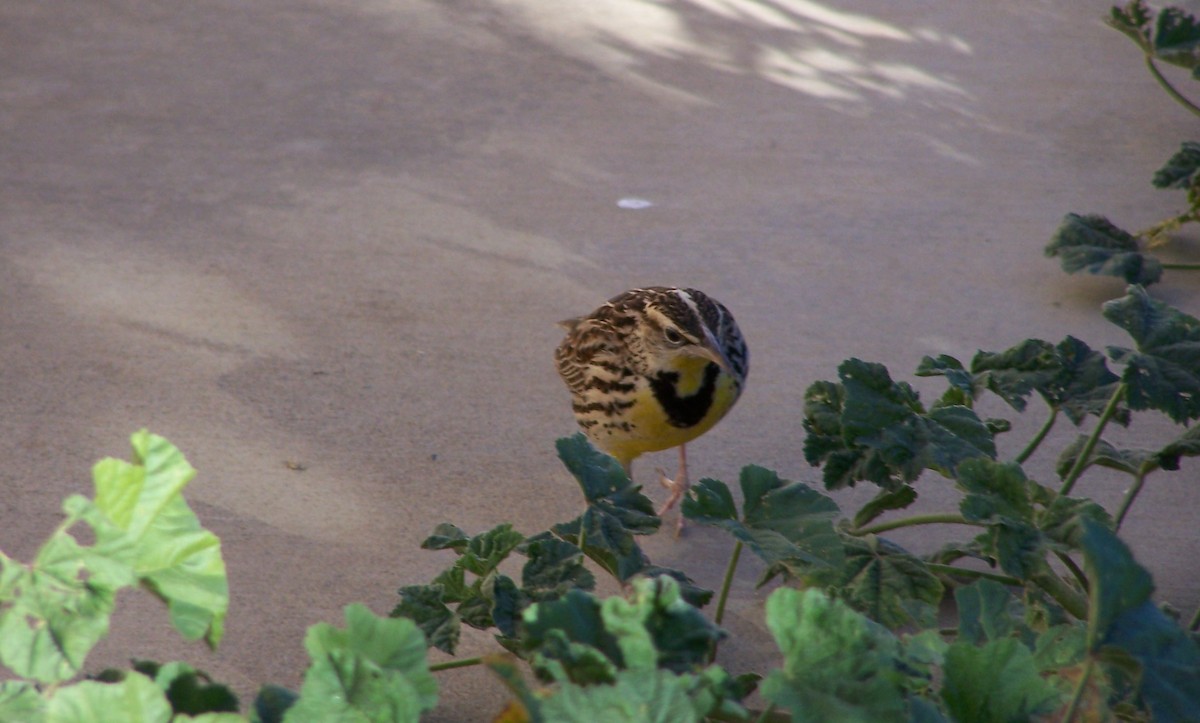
[(653, 369)]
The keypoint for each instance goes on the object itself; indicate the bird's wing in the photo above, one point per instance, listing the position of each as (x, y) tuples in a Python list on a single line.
[(591, 345)]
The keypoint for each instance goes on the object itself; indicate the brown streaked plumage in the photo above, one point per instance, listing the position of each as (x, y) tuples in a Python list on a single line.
[(652, 369)]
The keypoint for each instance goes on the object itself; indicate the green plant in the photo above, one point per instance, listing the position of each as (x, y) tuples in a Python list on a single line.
[(1093, 243), (1054, 615), (54, 609)]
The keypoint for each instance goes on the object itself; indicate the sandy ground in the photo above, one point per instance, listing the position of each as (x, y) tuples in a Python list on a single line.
[(336, 236)]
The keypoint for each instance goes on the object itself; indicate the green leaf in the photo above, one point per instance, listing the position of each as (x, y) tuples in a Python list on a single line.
[(485, 551), (136, 698), (1122, 618), (617, 510), (653, 696), (425, 606), (1180, 171), (20, 701), (1129, 461), (782, 520), (986, 611), (1000, 496), (372, 670), (447, 537), (189, 691), (881, 580), (1133, 20), (963, 390), (569, 641), (997, 682), (553, 568), (606, 486), (59, 607), (272, 702), (1092, 243), (144, 519), (1083, 384), (1164, 372), (871, 428), (1185, 445), (1061, 521), (657, 628), (53, 616), (838, 666), (1177, 38)]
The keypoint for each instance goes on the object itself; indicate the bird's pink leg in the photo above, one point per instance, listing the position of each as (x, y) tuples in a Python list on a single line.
[(678, 487)]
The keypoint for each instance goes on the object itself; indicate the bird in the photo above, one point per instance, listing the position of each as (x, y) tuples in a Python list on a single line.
[(651, 369)]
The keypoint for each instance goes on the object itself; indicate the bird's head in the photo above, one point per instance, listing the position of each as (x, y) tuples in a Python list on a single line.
[(674, 338)]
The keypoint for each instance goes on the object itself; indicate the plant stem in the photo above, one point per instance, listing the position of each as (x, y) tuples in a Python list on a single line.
[(1037, 438), (1166, 85), (933, 519), (1195, 622), (728, 582), (1182, 267), (1139, 479), (583, 534), (1063, 594), (1070, 564), (967, 572), (452, 664), (1085, 454), (1077, 696)]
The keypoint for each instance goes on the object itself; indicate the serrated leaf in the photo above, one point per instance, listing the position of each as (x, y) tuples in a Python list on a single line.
[(1017, 372), (1121, 616), (447, 537), (657, 628), (189, 691), (606, 541), (782, 520), (553, 568), (1129, 461), (1177, 37), (1084, 383), (1092, 243), (963, 390), (53, 616), (997, 682), (20, 701), (485, 551), (425, 606), (1164, 372), (144, 519), (374, 669), (1185, 445), (1061, 520), (606, 486), (995, 491), (985, 612), (881, 433), (656, 696), (1180, 171), (570, 633), (136, 698), (688, 589), (1133, 20), (1060, 647), (145, 532), (838, 666), (881, 580)]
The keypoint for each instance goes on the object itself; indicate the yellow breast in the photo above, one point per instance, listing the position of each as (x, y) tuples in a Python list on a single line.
[(660, 418)]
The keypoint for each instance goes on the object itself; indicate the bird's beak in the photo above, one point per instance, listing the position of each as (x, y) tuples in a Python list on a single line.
[(711, 350)]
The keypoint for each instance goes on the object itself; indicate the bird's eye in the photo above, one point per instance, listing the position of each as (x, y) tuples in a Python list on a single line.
[(673, 337)]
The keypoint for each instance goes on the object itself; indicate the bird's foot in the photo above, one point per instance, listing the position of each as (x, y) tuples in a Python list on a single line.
[(678, 488)]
